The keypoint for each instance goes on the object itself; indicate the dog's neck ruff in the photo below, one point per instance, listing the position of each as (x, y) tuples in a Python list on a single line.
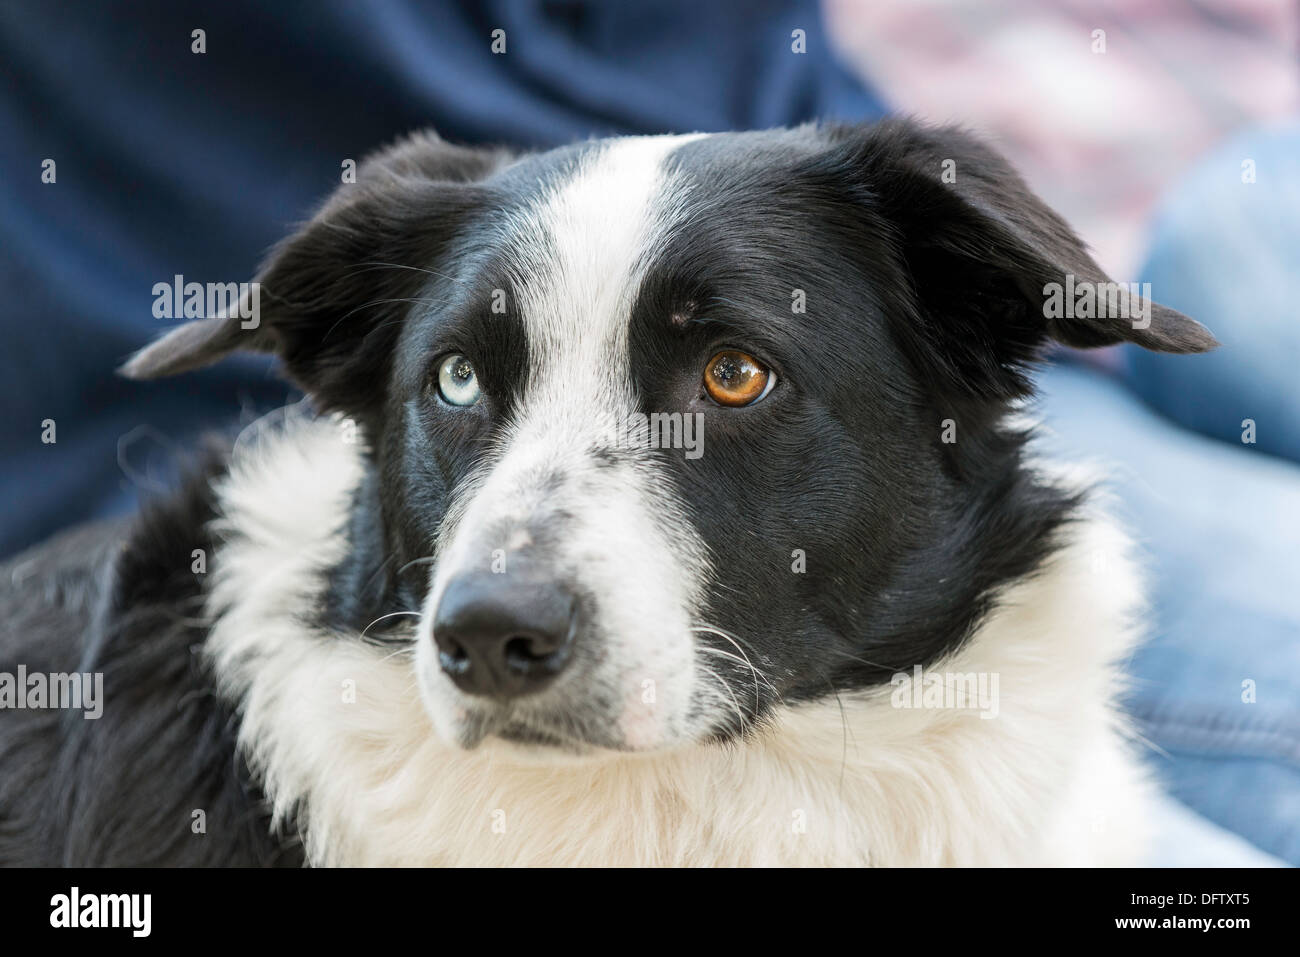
[(335, 730)]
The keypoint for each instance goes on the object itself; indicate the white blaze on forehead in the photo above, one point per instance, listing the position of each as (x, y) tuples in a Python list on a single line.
[(580, 253), (592, 238)]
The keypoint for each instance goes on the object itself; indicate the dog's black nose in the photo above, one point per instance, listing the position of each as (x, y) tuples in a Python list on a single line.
[(503, 635)]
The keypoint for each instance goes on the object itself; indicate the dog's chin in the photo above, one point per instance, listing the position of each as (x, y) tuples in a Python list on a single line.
[(531, 737), (471, 725), (526, 744)]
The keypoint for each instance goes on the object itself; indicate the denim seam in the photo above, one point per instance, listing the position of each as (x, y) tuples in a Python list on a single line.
[(1234, 740)]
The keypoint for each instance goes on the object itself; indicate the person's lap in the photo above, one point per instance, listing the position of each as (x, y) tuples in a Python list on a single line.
[(1227, 253), (1217, 686)]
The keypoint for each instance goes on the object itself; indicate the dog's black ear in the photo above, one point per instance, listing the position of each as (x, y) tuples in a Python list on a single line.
[(994, 272), (329, 298)]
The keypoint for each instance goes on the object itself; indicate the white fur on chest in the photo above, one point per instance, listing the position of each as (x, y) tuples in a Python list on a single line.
[(336, 731)]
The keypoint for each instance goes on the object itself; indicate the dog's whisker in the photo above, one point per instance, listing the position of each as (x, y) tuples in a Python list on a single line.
[(378, 302), (740, 716), (403, 649), (718, 632), (391, 614), (425, 560), (723, 653), (946, 678), (367, 266)]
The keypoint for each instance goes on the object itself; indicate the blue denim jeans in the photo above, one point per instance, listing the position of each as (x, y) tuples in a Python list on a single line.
[(1217, 686), (1228, 253)]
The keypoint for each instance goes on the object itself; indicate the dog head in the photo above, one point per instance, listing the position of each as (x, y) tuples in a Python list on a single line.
[(665, 431)]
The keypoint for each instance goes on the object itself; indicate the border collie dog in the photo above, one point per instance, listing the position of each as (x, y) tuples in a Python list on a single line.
[(469, 609)]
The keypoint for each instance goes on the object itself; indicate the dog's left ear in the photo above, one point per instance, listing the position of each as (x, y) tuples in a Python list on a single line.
[(331, 297), (994, 272)]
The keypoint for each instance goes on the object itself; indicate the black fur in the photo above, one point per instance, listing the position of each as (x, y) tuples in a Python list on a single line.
[(122, 790)]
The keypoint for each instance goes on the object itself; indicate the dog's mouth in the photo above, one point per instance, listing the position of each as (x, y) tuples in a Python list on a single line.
[(536, 732)]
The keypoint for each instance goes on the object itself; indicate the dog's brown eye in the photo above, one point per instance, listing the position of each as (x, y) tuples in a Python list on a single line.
[(737, 378)]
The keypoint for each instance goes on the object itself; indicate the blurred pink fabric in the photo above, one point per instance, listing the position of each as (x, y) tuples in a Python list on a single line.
[(1100, 135)]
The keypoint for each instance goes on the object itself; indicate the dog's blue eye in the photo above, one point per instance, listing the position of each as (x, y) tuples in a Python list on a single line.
[(457, 381)]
